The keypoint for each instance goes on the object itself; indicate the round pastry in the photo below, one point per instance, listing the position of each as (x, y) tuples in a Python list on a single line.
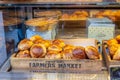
[(79, 53), (116, 56), (107, 12), (23, 54), (67, 54), (112, 18), (54, 48), (38, 51), (65, 16), (53, 55), (92, 52), (82, 17), (35, 38), (85, 13), (99, 16), (46, 43), (118, 38), (77, 12), (113, 48), (112, 41), (25, 44), (59, 43), (69, 47), (73, 17)]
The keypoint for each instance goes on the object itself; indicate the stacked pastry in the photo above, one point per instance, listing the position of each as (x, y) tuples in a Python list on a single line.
[(114, 47), (54, 13), (113, 15), (41, 24), (37, 47), (77, 15)]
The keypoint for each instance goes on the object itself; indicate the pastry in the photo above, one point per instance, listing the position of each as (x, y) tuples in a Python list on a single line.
[(65, 16), (73, 17), (35, 38), (78, 12), (59, 43), (107, 12), (54, 48), (53, 55), (92, 52), (25, 44), (67, 54), (113, 48), (46, 43), (116, 56), (79, 53), (69, 47), (23, 54), (112, 41), (38, 51), (85, 13), (118, 38)]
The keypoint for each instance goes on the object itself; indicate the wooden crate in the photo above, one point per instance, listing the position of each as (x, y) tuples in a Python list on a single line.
[(59, 65), (109, 62)]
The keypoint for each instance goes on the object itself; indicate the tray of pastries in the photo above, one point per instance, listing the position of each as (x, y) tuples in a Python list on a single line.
[(75, 15), (48, 13), (59, 55), (114, 15), (111, 49), (41, 24)]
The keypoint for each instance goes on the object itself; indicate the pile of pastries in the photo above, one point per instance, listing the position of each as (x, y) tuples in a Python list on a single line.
[(54, 13), (113, 15), (41, 24), (114, 47), (37, 47), (77, 15)]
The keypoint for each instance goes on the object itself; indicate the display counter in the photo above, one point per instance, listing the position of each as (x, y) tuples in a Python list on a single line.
[(54, 40)]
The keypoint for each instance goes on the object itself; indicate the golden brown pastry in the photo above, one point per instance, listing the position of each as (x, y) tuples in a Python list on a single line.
[(67, 54), (73, 17), (65, 16), (118, 38), (37, 22), (69, 47), (35, 38), (59, 43), (23, 54), (113, 48), (82, 17), (112, 18), (92, 52), (53, 55), (99, 16), (38, 51), (46, 43), (112, 41), (54, 48), (79, 53), (85, 13), (107, 12), (78, 12), (25, 44), (116, 56)]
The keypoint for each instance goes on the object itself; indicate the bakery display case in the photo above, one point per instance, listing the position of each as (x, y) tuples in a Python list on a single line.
[(69, 40)]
